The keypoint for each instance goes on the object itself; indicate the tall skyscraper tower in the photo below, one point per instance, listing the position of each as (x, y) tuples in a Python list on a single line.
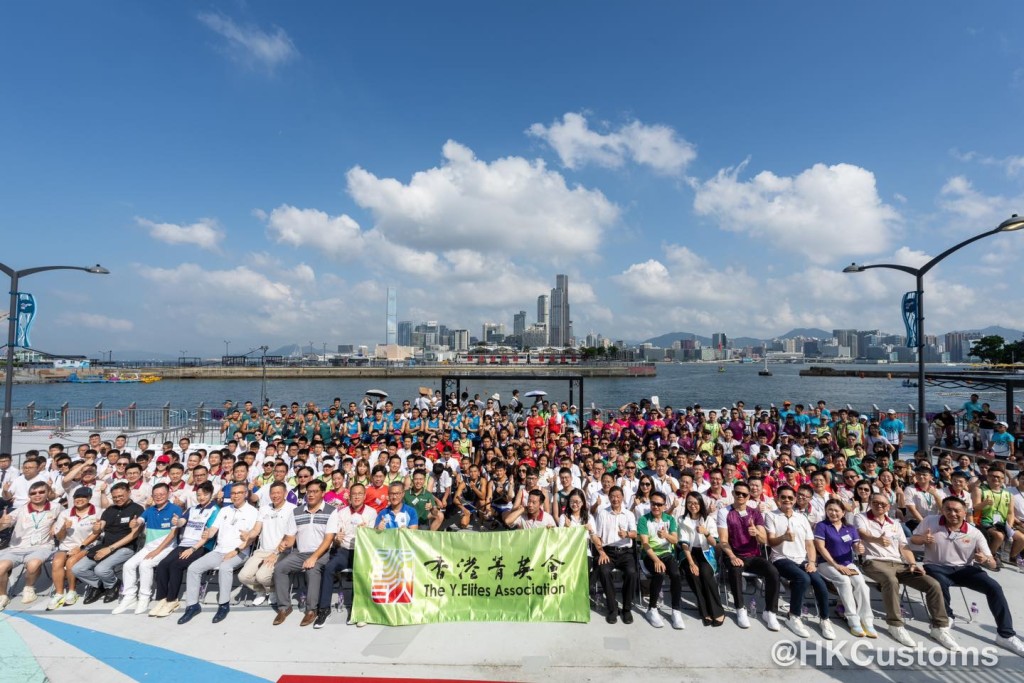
[(391, 328), (542, 310), (519, 324), (560, 320)]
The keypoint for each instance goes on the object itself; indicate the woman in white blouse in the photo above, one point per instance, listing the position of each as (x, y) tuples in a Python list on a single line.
[(698, 539)]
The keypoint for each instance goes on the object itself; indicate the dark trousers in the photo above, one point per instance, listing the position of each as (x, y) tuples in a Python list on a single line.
[(704, 585), (623, 560), (799, 581), (675, 581), (341, 559), (171, 571), (976, 579), (754, 565)]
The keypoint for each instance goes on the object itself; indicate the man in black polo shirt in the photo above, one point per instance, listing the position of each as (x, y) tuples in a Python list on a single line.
[(120, 526)]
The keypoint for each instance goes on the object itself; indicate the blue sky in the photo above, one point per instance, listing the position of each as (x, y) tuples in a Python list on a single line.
[(263, 172)]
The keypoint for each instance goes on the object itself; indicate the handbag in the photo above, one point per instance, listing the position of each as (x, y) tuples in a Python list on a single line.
[(712, 559)]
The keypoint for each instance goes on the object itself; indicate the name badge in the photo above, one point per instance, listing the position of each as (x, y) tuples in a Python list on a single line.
[(125, 520), (846, 537)]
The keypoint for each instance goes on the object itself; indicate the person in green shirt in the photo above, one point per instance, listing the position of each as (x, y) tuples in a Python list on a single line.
[(659, 534), (422, 500)]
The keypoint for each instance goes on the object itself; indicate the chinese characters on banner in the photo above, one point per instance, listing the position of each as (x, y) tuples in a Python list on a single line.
[(415, 577)]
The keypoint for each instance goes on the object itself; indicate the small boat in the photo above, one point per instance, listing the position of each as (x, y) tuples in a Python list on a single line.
[(909, 383), (721, 368), (110, 378), (149, 379)]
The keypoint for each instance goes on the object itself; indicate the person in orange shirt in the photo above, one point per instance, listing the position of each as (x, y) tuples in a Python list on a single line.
[(377, 491)]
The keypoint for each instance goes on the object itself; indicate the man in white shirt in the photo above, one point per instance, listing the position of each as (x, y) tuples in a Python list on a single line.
[(890, 563), (532, 516), (616, 531), (232, 527), (31, 542), (344, 524), (954, 554), (16, 490), (258, 572), (791, 540)]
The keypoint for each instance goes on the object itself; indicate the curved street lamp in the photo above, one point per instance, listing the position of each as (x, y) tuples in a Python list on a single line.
[(7, 422), (1009, 225)]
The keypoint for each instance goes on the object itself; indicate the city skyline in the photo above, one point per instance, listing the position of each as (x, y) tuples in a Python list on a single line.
[(264, 173)]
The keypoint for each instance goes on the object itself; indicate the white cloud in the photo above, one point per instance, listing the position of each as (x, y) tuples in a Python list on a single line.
[(1012, 165), (959, 197), (824, 212), (510, 205), (204, 233), (249, 44), (336, 236), (657, 146), (95, 321), (191, 278)]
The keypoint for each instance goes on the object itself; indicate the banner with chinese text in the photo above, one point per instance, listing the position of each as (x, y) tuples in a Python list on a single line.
[(417, 577)]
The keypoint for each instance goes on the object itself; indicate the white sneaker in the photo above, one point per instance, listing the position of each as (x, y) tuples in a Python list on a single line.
[(827, 632), (900, 635), (55, 602), (772, 621), (677, 620), (259, 599), (124, 604), (4, 602), (70, 598), (142, 606), (796, 625), (654, 618), (28, 595), (742, 618), (157, 608), (943, 638), (1013, 644)]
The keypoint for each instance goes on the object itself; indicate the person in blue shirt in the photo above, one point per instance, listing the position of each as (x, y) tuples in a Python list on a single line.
[(1002, 441), (398, 514), (893, 429), (138, 571), (802, 419), (971, 408)]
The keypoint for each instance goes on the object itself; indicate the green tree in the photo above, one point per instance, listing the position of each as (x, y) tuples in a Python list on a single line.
[(990, 349)]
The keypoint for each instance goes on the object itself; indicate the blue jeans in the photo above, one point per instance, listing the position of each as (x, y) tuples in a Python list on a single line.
[(976, 579), (799, 581), (102, 573)]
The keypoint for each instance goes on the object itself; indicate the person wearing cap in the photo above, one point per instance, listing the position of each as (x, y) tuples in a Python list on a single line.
[(921, 497), (893, 429), (1002, 441), (31, 541), (954, 555), (137, 572), (74, 533)]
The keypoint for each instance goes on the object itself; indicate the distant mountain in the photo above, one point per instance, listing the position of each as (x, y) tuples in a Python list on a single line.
[(665, 341), (287, 350), (1007, 334), (810, 332)]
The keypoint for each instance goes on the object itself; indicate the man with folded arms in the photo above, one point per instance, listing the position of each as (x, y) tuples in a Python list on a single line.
[(307, 538), (31, 540), (954, 554), (231, 527), (616, 530), (890, 563)]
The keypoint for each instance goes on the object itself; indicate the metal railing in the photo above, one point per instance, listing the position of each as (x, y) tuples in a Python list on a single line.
[(131, 420)]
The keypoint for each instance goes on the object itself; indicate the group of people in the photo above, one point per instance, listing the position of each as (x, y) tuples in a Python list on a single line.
[(791, 498)]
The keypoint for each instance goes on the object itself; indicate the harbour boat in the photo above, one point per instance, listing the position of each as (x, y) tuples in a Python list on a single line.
[(149, 379), (909, 383), (721, 368), (109, 378)]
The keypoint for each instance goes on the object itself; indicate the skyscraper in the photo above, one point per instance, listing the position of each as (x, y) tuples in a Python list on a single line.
[(391, 326), (847, 338), (405, 333), (560, 320), (519, 324), (542, 310)]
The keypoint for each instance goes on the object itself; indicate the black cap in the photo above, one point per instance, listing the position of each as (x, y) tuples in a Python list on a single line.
[(83, 492)]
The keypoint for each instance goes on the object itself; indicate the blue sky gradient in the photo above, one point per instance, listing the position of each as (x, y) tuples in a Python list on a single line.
[(262, 172)]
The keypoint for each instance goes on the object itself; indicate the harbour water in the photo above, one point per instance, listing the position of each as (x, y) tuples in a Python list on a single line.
[(675, 384)]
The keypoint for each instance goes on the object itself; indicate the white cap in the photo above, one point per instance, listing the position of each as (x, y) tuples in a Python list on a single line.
[(891, 411), (1003, 424)]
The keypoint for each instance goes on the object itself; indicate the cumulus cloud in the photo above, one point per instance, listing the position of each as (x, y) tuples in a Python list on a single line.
[(959, 197), (336, 236), (204, 233), (510, 205), (250, 44), (823, 212), (657, 146), (95, 321), (190, 277)]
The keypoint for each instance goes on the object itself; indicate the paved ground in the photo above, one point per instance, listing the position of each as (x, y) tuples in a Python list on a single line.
[(83, 644)]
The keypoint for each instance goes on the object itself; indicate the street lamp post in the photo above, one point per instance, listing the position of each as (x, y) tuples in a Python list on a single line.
[(7, 422), (1009, 225)]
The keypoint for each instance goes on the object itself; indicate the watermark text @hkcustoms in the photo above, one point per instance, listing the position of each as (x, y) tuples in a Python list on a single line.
[(861, 653)]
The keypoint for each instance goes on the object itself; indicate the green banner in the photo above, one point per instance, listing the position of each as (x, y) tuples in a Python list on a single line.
[(404, 576)]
